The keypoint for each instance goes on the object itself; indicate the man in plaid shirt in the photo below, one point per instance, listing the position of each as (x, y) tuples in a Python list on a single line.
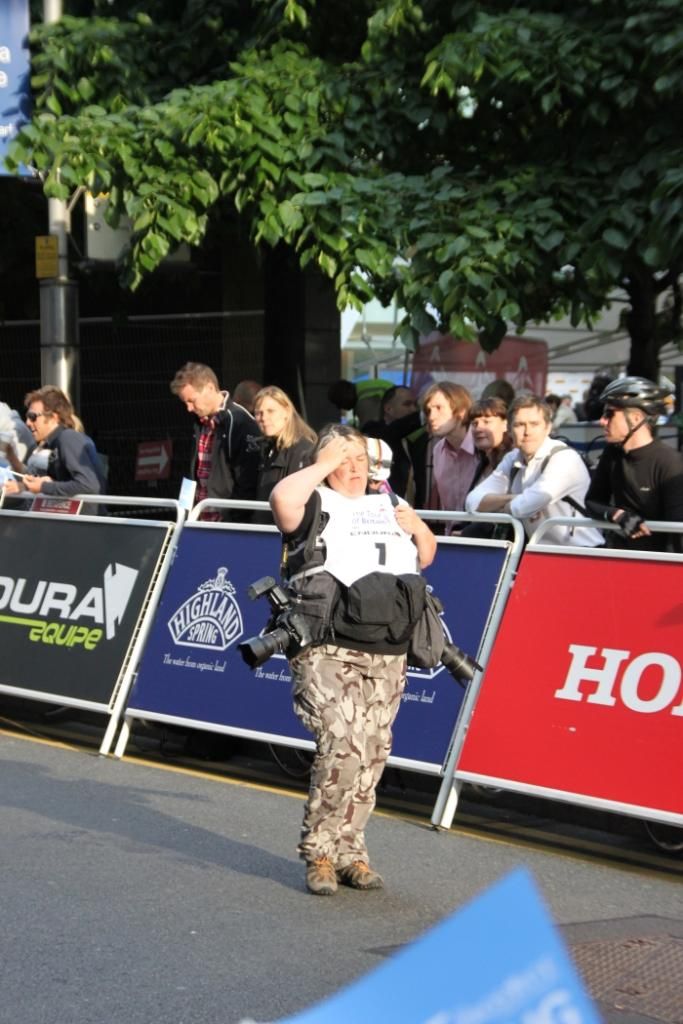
[(227, 452)]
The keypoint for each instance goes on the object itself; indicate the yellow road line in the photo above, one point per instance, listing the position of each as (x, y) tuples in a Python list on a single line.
[(212, 776), (35, 737), (527, 837), (27, 734)]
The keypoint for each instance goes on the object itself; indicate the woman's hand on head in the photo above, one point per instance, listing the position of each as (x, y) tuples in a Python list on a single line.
[(333, 453)]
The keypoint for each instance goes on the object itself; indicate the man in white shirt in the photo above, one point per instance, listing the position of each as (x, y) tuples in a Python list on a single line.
[(537, 478)]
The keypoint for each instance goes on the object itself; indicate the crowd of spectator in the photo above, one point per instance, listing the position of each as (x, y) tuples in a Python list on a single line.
[(449, 450), (355, 546), (508, 454)]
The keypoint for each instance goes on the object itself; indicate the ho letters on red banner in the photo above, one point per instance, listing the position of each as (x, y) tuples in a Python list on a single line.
[(583, 693)]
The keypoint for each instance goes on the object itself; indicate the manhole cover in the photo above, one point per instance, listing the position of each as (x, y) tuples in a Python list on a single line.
[(639, 974)]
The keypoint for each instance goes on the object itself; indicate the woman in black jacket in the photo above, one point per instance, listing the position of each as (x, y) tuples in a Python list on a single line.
[(287, 443), (488, 420)]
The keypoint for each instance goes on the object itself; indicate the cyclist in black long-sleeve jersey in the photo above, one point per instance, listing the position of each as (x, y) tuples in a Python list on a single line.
[(638, 477)]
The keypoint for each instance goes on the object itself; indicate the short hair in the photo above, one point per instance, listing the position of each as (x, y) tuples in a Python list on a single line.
[(488, 407), (198, 375), (387, 396), (391, 393), (343, 394), (499, 388), (54, 400), (458, 397), (531, 402), (245, 392), (332, 430), (295, 428)]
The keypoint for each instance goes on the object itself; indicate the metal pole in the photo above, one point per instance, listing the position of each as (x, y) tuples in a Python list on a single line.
[(52, 11), (58, 295)]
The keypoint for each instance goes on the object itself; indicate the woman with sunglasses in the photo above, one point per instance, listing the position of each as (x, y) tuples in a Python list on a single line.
[(73, 465)]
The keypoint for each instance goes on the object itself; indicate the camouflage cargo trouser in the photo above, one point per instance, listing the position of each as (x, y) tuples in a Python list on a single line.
[(348, 700)]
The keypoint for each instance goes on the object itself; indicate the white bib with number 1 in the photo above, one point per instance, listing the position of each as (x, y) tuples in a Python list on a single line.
[(362, 536)]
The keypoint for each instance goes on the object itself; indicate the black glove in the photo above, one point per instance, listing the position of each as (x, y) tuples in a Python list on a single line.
[(629, 523)]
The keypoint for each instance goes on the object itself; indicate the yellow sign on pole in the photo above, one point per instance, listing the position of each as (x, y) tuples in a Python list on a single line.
[(47, 256)]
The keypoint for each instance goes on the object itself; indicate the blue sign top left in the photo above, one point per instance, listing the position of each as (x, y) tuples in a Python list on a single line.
[(15, 90)]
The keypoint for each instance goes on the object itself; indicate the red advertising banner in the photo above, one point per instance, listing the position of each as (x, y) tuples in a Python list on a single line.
[(58, 506), (582, 694), (522, 362)]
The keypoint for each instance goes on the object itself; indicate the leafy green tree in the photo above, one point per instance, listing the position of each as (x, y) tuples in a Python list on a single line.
[(487, 164)]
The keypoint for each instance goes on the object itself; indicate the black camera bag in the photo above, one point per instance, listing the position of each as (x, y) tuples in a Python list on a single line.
[(428, 639), (380, 607), (316, 597)]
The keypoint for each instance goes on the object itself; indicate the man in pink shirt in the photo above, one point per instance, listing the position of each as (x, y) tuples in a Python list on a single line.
[(453, 455)]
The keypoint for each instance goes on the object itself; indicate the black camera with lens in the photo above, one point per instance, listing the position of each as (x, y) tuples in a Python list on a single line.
[(287, 631), (459, 664), (430, 645)]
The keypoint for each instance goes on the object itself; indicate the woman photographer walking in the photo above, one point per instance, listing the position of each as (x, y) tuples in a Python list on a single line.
[(351, 557)]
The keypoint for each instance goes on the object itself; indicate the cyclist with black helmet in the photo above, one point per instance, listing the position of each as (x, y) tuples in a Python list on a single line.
[(638, 477)]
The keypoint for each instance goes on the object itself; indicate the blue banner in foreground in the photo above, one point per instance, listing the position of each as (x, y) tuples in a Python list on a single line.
[(499, 960), (15, 90), (192, 670)]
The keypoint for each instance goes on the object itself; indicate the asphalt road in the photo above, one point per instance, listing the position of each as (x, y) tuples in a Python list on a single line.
[(142, 894)]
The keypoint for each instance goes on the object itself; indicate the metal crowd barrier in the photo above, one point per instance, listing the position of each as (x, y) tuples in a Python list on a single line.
[(191, 673), (77, 595), (581, 699)]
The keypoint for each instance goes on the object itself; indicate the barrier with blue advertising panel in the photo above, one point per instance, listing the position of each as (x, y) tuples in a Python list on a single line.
[(192, 673)]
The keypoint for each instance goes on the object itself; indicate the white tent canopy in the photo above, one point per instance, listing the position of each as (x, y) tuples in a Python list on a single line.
[(574, 353)]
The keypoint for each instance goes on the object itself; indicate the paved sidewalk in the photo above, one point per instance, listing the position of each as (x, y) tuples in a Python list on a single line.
[(133, 893)]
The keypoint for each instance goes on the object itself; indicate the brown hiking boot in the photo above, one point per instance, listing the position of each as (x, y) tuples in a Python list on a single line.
[(360, 875), (321, 877)]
